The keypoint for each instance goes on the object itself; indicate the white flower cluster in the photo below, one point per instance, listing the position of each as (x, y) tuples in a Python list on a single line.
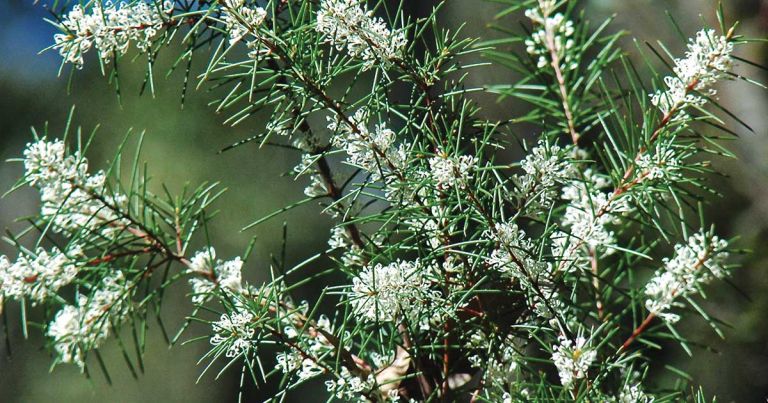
[(515, 256), (306, 367), (589, 213), (317, 187), (235, 332), (572, 359), (499, 368), (695, 263), (341, 239), (241, 21), (663, 164), (110, 29), (546, 301), (545, 168), (307, 160), (79, 328), (373, 151), (514, 250), (430, 225), (554, 34), (40, 276), (348, 24), (210, 273), (384, 293), (350, 387), (73, 200), (450, 172), (707, 60), (634, 394)]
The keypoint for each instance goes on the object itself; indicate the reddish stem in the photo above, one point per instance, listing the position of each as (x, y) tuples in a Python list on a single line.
[(639, 330)]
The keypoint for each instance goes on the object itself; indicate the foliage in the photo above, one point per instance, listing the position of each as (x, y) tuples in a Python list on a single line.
[(456, 275)]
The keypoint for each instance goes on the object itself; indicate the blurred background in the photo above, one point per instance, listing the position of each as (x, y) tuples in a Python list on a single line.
[(181, 147)]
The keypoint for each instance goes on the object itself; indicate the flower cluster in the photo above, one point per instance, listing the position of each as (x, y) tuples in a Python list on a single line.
[(72, 199), (431, 225), (305, 367), (589, 214), (209, 273), (384, 292), (347, 24), (241, 21), (663, 164), (634, 394), (78, 328), (374, 151), (512, 254), (694, 263), (234, 332), (545, 168), (707, 60), (502, 366), (450, 271), (317, 187), (341, 238), (350, 387), (40, 276), (572, 359), (554, 36), (450, 172), (110, 29)]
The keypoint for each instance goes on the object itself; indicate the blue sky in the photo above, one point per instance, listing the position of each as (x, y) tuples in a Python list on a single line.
[(23, 34)]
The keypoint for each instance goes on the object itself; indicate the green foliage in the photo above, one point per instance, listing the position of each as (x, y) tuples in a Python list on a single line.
[(453, 274)]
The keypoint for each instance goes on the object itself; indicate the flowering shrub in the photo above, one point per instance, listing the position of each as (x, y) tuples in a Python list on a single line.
[(465, 277)]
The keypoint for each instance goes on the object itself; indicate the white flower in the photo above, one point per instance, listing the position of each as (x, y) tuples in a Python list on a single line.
[(288, 362), (553, 35), (432, 225), (589, 213), (707, 60), (293, 361), (572, 359), (242, 21), (65, 330), (451, 171), (695, 263), (514, 250), (545, 168), (347, 24), (317, 188), (661, 164), (40, 276), (373, 151), (110, 29), (634, 394), (383, 293), (210, 273), (71, 199), (349, 386), (307, 160), (499, 367), (234, 332), (340, 238), (77, 329)]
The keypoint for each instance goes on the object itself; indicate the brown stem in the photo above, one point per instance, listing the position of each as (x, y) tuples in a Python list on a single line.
[(424, 385), (639, 330), (335, 193), (555, 63)]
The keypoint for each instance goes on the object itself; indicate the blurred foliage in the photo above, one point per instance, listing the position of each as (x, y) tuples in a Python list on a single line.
[(183, 145)]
